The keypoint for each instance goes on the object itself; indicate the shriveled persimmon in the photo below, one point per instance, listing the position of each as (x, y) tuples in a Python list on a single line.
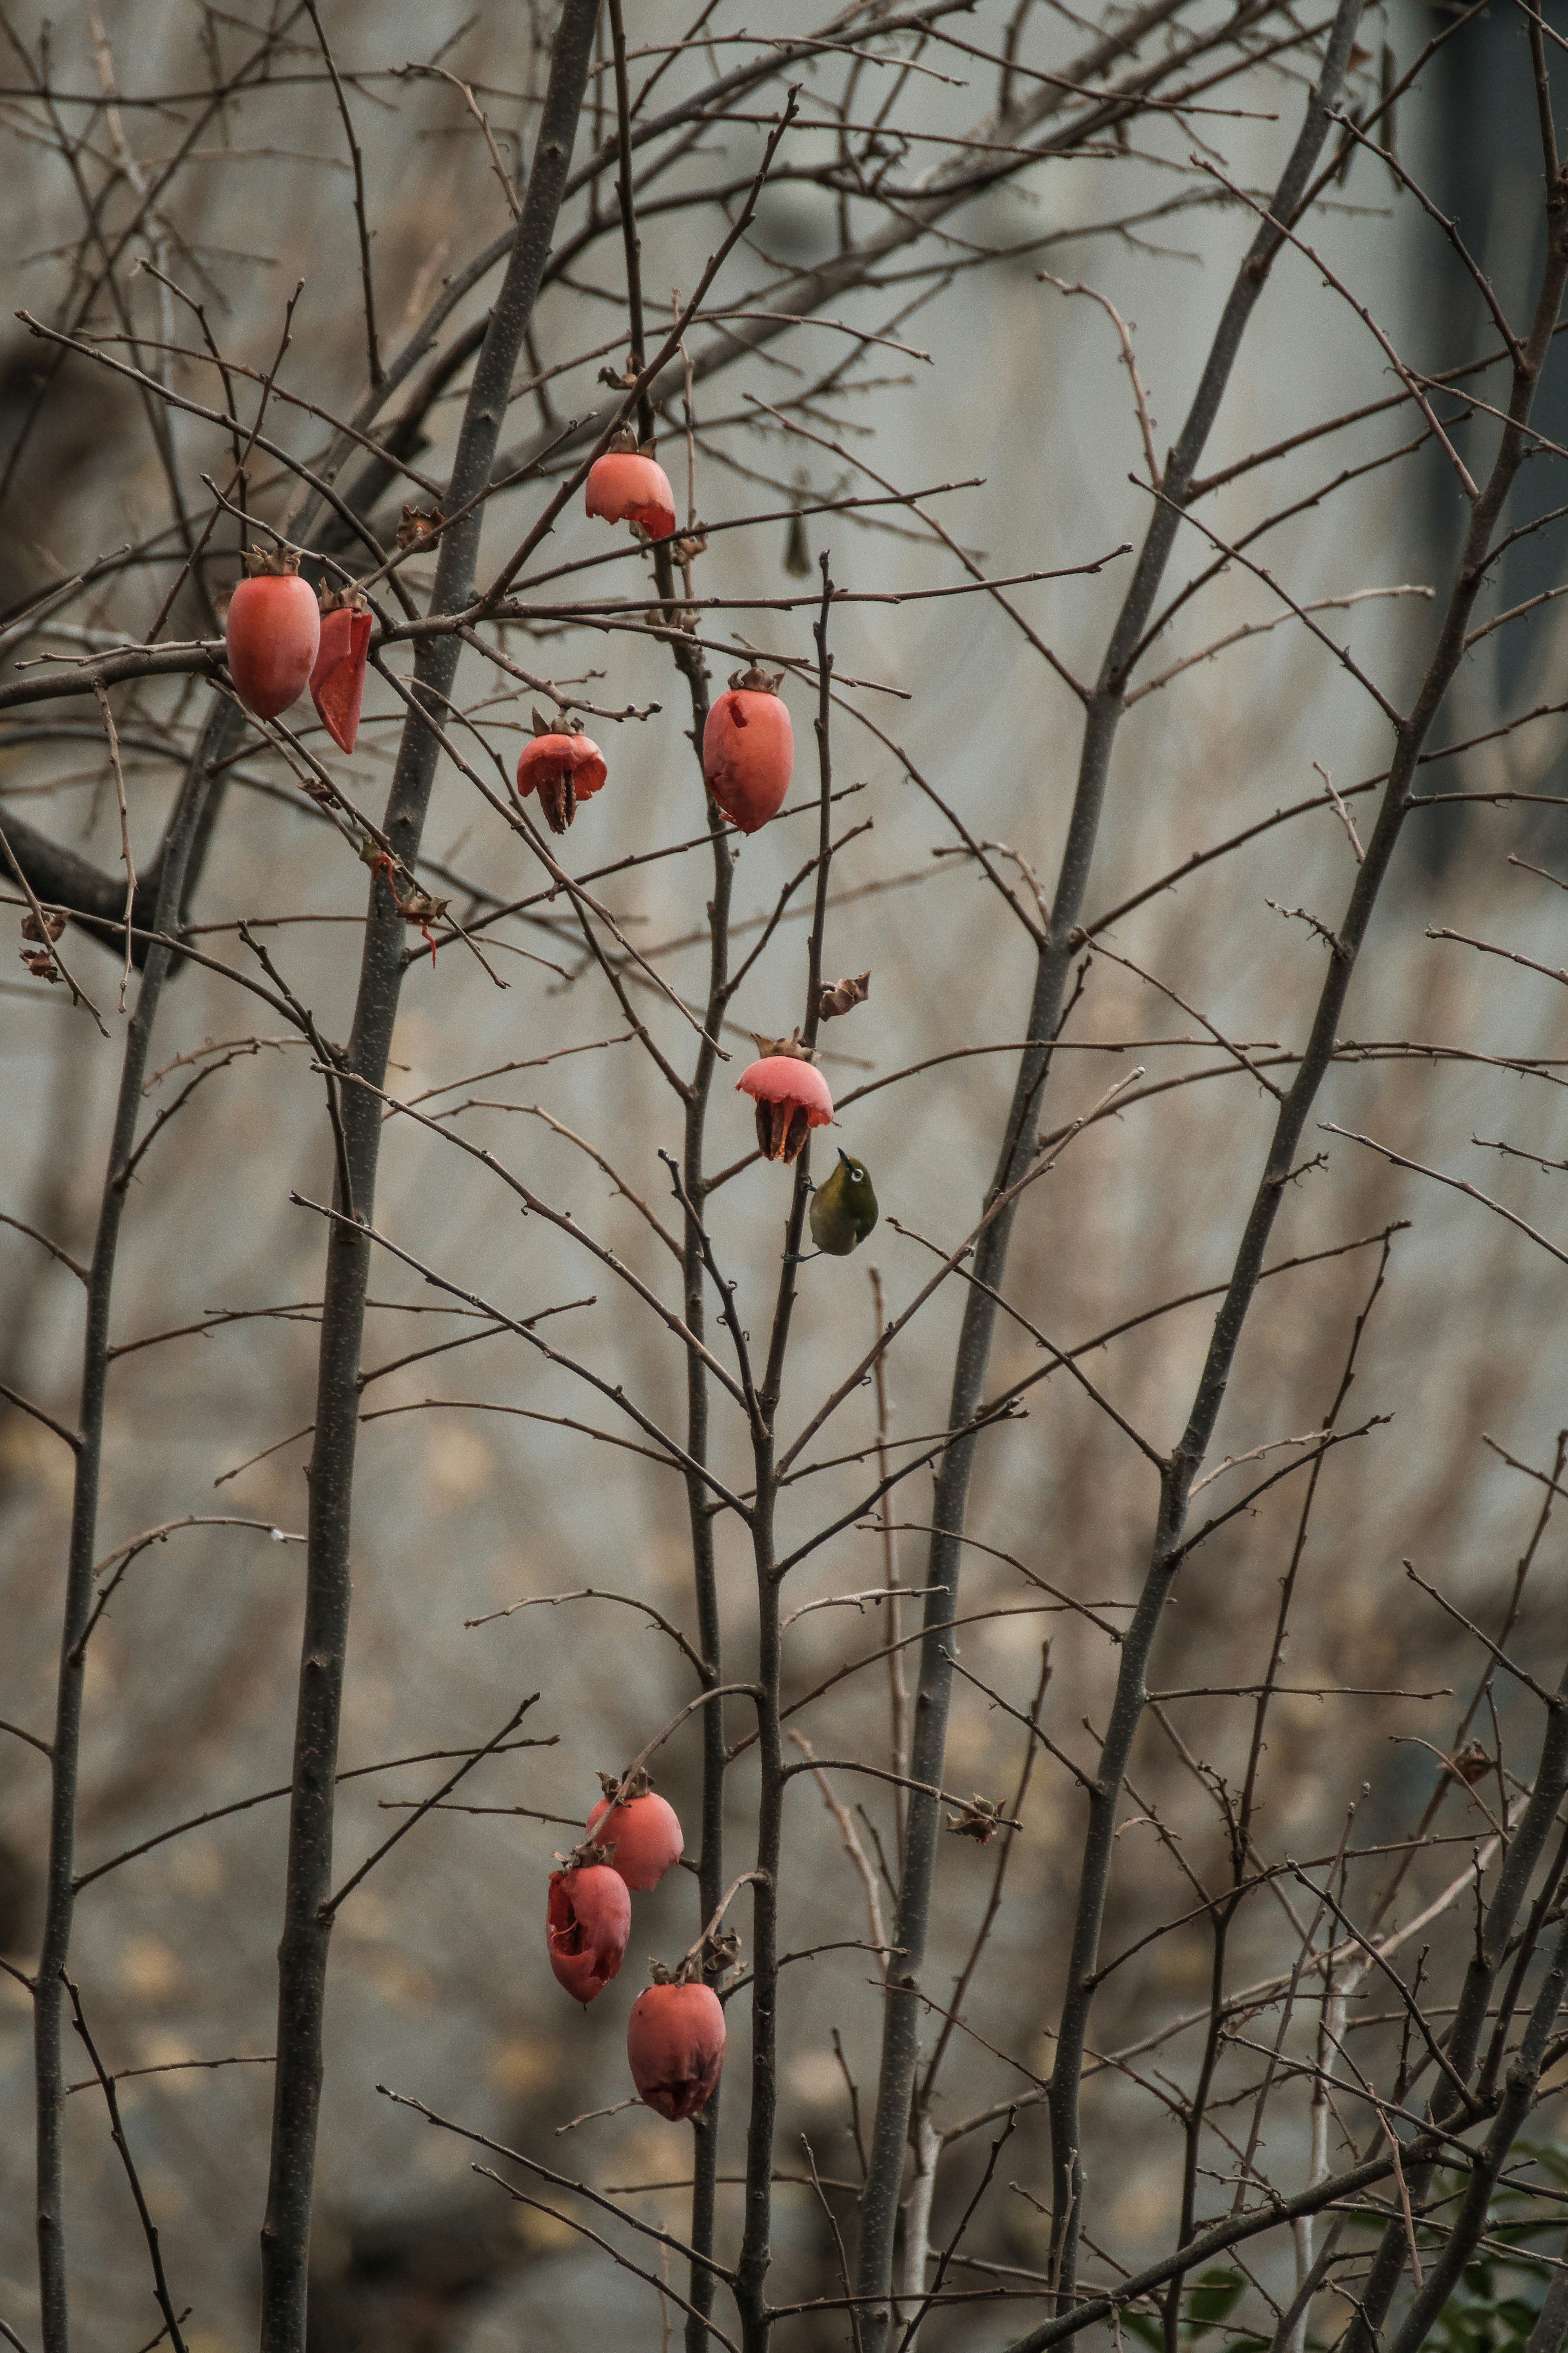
[(675, 2045)]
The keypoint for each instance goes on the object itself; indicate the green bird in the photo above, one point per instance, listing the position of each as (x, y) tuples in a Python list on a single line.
[(843, 1209)]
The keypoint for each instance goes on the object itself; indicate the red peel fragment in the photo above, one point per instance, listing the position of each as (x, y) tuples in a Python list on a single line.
[(337, 681)]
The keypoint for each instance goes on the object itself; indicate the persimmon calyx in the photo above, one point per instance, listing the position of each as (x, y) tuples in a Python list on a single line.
[(592, 1851), (619, 1788), (564, 725), (419, 524), (707, 1960), (687, 1971), (351, 599), (755, 680), (979, 1819), (790, 1048), (275, 562)]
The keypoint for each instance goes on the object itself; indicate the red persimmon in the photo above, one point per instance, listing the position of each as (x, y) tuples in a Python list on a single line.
[(675, 2044), (792, 1098), (273, 630), (643, 1832), (588, 1917), (562, 767), (627, 485), (747, 750)]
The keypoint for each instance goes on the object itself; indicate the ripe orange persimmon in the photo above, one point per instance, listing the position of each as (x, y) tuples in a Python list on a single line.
[(643, 1831), (675, 2044), (562, 767), (273, 629), (792, 1098), (588, 1917), (337, 681), (629, 485), (747, 750)]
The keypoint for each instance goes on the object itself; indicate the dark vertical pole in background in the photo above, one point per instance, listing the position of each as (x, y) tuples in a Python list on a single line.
[(1480, 164)]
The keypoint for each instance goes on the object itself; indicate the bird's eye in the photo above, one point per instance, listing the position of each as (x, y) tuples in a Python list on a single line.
[(858, 1174)]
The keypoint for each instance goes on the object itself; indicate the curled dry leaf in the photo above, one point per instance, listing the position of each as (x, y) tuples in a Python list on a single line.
[(421, 908), (844, 996), (1470, 1763)]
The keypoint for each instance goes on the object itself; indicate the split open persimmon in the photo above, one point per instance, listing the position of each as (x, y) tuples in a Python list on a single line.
[(588, 1917), (629, 485), (273, 632), (792, 1098), (562, 767)]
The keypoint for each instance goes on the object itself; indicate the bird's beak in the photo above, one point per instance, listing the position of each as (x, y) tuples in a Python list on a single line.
[(844, 1155)]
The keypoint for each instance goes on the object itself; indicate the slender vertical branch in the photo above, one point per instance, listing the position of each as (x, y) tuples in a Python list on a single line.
[(1239, 1823), (755, 2253), (367, 281), (302, 1954), (901, 2034), (66, 1749), (700, 1510), (117, 2133), (636, 355), (1127, 1708), (690, 660), (897, 1680)]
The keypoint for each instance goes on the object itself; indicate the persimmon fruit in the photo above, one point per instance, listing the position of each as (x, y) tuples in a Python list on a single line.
[(792, 1098), (273, 631), (588, 1917), (629, 485), (562, 766), (643, 1831), (675, 2046), (747, 750)]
